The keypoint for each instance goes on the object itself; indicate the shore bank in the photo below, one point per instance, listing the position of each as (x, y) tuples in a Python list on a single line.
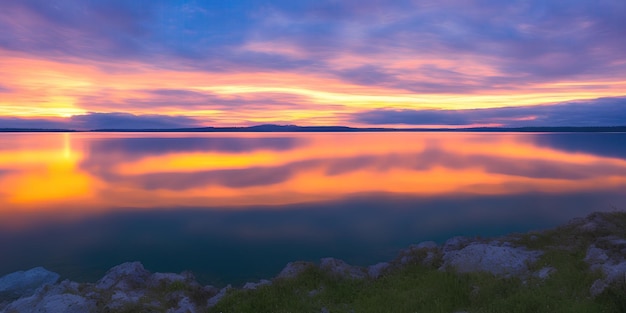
[(580, 266)]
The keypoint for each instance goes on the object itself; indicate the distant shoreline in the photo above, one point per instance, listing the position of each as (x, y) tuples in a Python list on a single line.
[(328, 129)]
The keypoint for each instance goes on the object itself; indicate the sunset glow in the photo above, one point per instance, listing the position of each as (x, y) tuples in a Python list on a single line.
[(169, 64), (85, 174)]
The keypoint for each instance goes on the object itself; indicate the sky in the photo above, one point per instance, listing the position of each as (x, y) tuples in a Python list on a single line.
[(89, 64)]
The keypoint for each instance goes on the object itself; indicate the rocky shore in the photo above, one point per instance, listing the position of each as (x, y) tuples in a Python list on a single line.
[(129, 287)]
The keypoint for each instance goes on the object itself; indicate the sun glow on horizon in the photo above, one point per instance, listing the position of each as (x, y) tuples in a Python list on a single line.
[(234, 98)]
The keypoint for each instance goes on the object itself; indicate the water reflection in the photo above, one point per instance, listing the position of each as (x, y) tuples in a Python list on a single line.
[(608, 144), (314, 167), (213, 202), (87, 173)]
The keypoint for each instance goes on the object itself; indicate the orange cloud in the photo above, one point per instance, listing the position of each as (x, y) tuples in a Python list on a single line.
[(66, 87)]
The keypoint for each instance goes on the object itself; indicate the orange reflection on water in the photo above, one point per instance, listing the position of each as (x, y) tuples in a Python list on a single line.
[(86, 173), (42, 175)]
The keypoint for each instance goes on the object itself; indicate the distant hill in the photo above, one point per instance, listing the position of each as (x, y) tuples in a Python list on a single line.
[(294, 128), (267, 128)]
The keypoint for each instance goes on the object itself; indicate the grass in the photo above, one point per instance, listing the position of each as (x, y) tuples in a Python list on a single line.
[(422, 288)]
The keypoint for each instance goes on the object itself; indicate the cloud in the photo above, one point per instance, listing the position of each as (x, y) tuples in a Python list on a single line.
[(524, 40), (4, 89), (191, 100), (130, 121), (34, 123), (598, 112), (139, 147), (543, 49), (101, 121), (589, 143)]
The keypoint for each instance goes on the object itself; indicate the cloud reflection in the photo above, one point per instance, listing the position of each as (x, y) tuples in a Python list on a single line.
[(108, 171), (209, 199)]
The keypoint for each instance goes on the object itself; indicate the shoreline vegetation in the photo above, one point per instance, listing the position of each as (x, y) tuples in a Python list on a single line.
[(269, 128), (577, 267)]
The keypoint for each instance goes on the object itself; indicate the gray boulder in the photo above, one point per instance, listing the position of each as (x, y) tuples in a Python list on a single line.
[(61, 303), (126, 276), (425, 245), (376, 270), (545, 272), (598, 287), (216, 298), (25, 283), (52, 299), (253, 286), (158, 279), (294, 269), (342, 269), (424, 253), (121, 298), (498, 260), (185, 305), (596, 257), (610, 263), (455, 243)]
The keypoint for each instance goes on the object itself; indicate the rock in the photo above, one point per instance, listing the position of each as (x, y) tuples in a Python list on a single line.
[(253, 286), (164, 279), (598, 287), (455, 243), (67, 303), (425, 245), (596, 256), (424, 253), (615, 271), (588, 227), (618, 242), (596, 222), (429, 259), (69, 286), (294, 269), (498, 260), (208, 289), (612, 265), (314, 292), (216, 298), (126, 276), (545, 272), (185, 305), (25, 283), (342, 269), (406, 259), (120, 299), (614, 268), (376, 270)]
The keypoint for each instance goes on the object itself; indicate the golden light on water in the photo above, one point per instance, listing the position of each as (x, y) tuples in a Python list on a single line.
[(81, 173)]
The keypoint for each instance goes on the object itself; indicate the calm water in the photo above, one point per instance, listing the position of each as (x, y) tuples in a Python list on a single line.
[(237, 207)]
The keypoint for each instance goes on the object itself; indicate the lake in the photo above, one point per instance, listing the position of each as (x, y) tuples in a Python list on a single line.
[(236, 207)]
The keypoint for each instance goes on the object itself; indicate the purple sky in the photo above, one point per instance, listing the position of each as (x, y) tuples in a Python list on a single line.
[(161, 64)]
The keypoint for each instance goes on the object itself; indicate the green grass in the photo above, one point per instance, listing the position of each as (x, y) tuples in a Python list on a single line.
[(419, 288)]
